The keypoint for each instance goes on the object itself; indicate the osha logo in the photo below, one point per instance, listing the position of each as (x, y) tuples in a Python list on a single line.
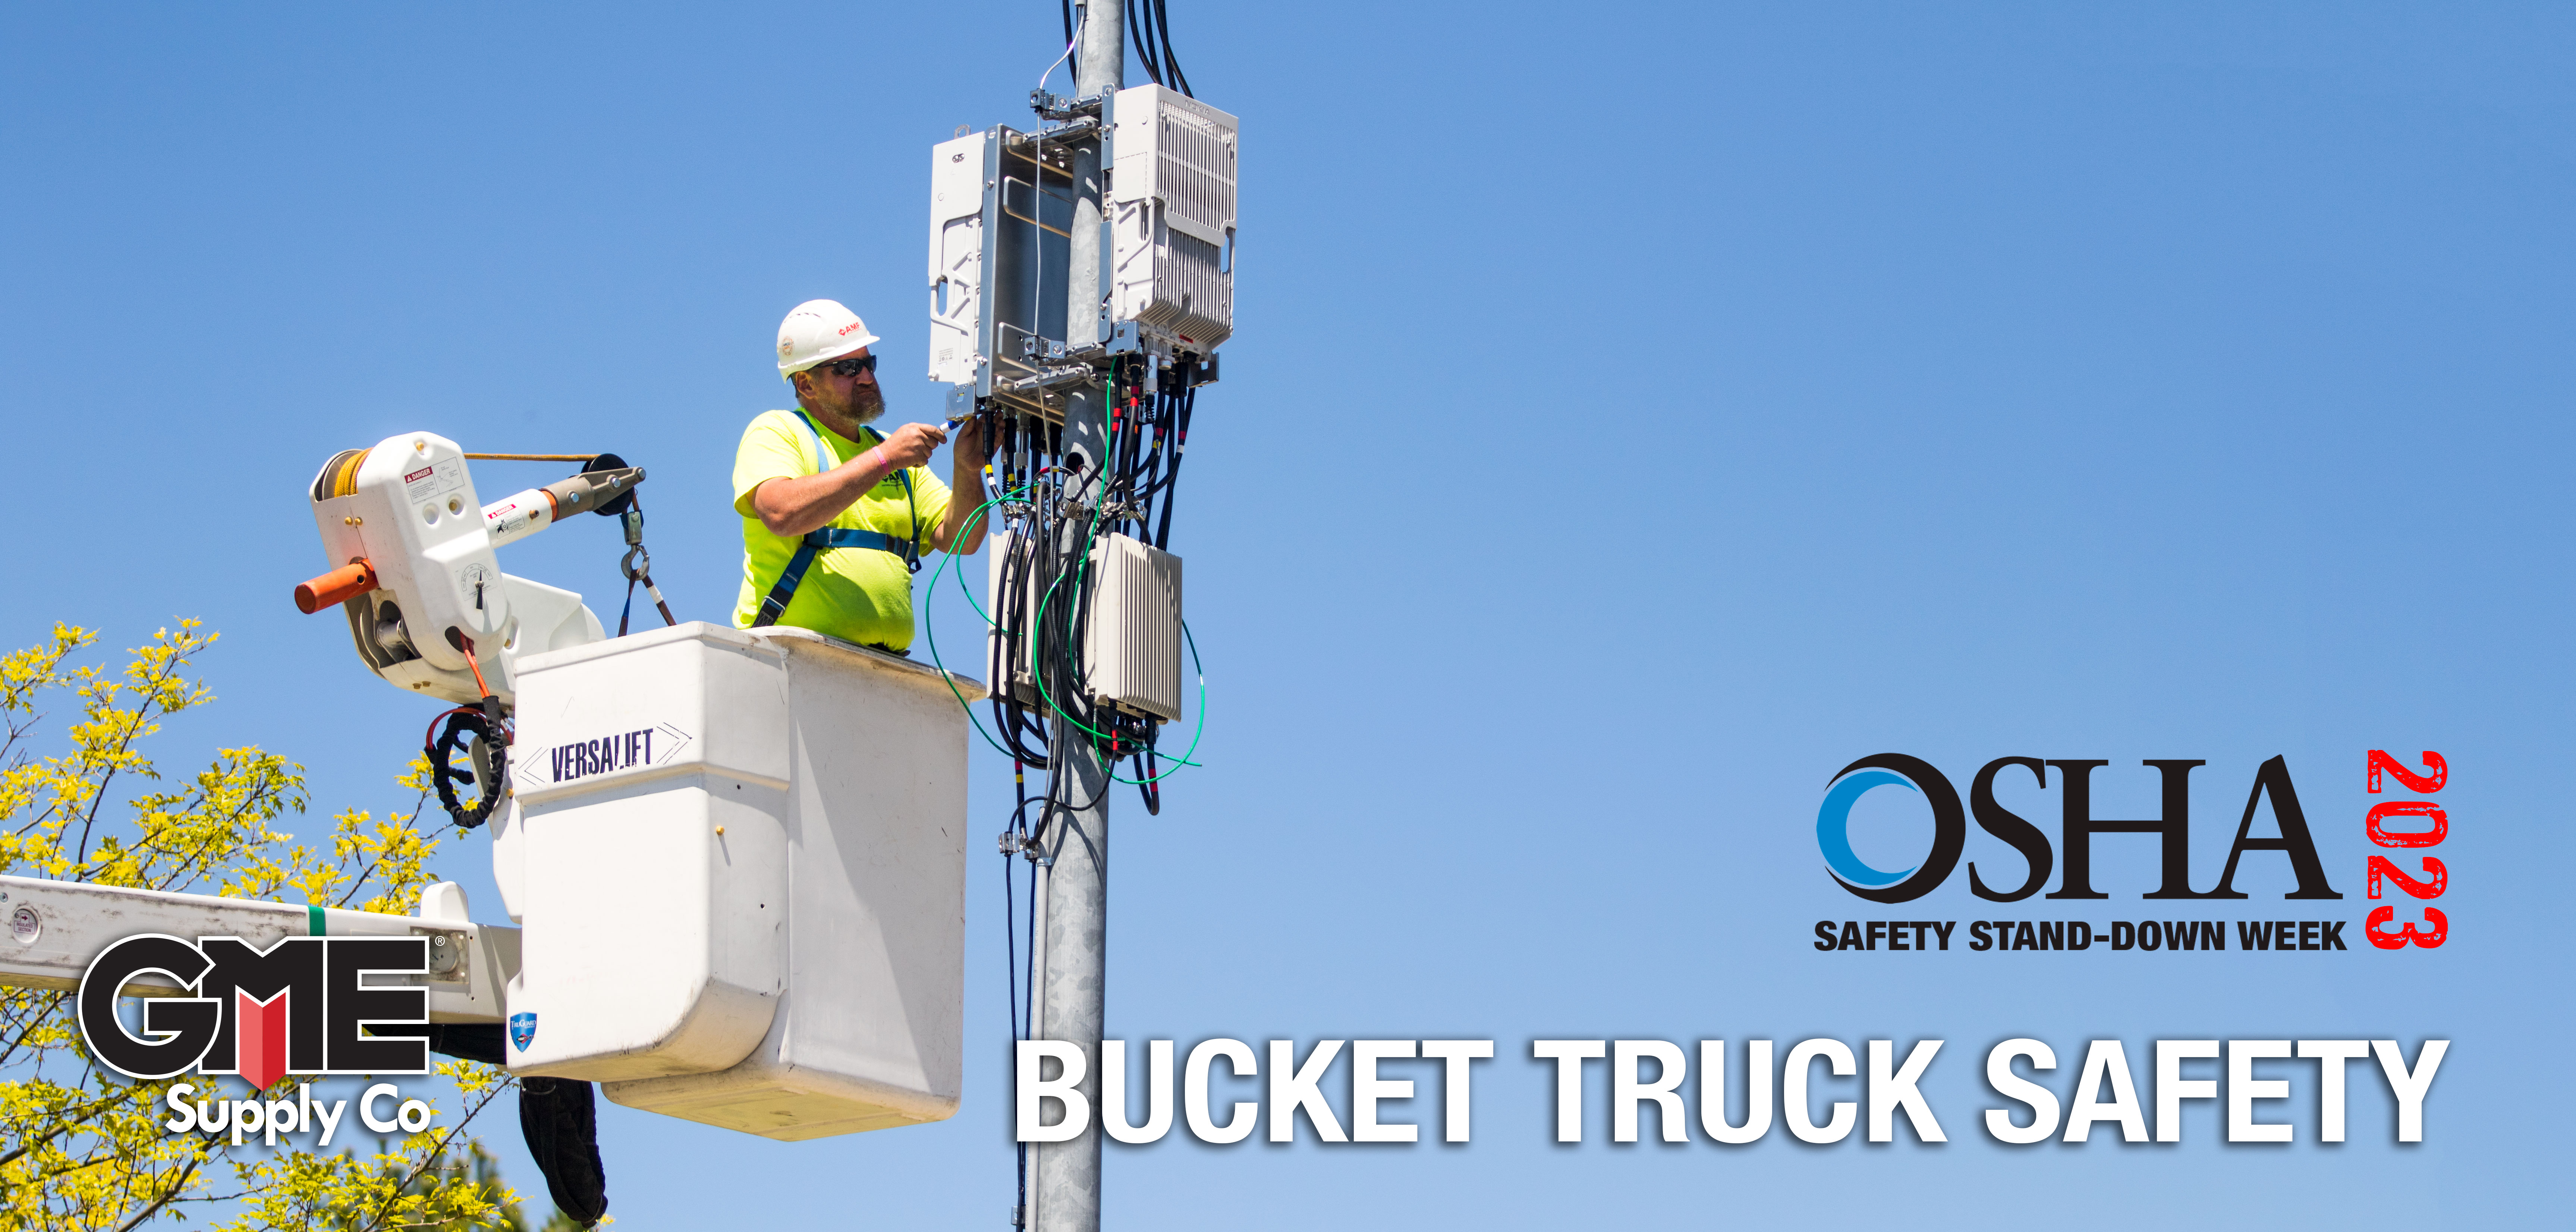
[(298, 1007), (2076, 830)]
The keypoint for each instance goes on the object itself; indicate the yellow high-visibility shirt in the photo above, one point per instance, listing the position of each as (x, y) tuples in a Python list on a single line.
[(856, 594)]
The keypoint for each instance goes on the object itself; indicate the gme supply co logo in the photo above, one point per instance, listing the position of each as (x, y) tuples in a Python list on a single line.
[(302, 1006), (2403, 821)]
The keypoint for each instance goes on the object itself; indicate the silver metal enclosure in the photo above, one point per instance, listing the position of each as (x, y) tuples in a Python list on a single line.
[(1000, 260)]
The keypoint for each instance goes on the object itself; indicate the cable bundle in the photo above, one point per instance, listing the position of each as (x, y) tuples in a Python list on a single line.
[(1163, 68), (1149, 29), (1044, 583)]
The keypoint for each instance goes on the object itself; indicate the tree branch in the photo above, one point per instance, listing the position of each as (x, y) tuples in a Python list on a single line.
[(164, 1200), (65, 1122), (437, 1153)]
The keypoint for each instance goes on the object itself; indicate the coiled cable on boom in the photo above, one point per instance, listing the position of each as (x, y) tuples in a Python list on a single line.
[(488, 754)]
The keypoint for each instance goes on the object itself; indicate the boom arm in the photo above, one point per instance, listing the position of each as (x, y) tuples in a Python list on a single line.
[(57, 927)]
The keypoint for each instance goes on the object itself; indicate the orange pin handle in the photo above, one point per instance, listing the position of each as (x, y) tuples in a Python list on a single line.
[(336, 587)]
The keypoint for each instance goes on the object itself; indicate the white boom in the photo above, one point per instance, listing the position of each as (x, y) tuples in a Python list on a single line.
[(55, 929)]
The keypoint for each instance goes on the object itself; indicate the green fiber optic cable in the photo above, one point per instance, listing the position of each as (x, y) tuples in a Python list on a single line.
[(1082, 566), (1184, 759), (930, 628)]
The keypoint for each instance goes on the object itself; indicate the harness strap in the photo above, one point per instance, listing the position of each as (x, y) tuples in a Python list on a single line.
[(774, 604)]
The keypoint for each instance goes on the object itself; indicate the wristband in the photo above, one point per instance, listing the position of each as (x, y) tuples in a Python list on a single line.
[(882, 464)]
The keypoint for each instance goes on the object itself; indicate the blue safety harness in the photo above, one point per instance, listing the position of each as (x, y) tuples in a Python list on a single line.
[(909, 550)]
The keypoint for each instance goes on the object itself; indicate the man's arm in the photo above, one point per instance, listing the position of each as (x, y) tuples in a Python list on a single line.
[(791, 506), (965, 493)]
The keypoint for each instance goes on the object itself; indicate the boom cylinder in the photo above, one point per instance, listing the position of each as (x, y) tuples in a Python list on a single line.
[(515, 517)]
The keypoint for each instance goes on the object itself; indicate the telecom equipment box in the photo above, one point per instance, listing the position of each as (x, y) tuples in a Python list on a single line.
[(740, 859), (1172, 182), (1132, 643), (1131, 637), (1001, 219), (958, 171)]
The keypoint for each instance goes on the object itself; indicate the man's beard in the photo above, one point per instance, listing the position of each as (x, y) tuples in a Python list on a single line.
[(867, 402)]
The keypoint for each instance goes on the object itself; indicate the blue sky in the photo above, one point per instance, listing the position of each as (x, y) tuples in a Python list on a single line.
[(1638, 413)]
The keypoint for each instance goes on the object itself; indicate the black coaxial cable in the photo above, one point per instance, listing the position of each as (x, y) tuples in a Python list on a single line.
[(1171, 63), (1142, 35)]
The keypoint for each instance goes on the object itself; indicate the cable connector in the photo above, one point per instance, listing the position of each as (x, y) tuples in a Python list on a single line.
[(1012, 842), (1061, 108)]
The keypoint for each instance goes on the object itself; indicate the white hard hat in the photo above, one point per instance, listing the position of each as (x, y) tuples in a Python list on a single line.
[(815, 331)]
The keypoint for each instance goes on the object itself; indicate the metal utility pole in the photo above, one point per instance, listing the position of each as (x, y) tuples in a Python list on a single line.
[(1065, 1193)]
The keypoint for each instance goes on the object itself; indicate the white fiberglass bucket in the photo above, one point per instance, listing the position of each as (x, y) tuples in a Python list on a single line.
[(739, 857)]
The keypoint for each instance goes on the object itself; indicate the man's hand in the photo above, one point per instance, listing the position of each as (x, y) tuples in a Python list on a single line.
[(968, 458), (793, 506), (966, 497), (910, 445)]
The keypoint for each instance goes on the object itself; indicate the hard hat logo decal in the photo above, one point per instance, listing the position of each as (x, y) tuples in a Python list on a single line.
[(785, 345), (523, 1031)]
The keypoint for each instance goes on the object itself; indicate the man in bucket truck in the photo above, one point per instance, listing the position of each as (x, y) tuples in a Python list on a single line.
[(836, 515)]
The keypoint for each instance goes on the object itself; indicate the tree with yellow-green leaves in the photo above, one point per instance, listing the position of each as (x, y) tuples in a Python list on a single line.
[(82, 1147)]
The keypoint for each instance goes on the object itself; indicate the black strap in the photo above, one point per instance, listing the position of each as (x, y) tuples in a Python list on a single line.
[(775, 603)]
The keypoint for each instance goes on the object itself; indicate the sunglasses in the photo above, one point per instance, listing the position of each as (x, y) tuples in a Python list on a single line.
[(850, 367)]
